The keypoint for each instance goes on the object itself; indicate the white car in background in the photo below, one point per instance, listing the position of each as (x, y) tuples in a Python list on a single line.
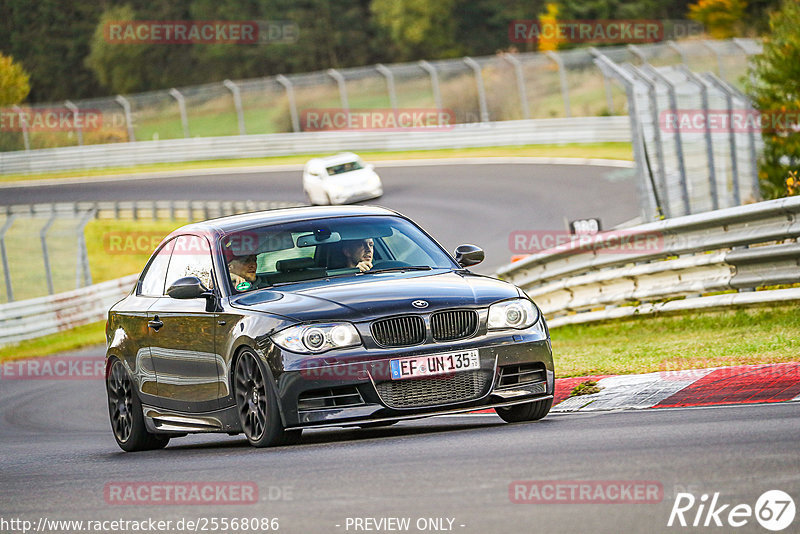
[(340, 179)]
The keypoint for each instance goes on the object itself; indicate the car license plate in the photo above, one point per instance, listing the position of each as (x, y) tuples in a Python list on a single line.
[(435, 364)]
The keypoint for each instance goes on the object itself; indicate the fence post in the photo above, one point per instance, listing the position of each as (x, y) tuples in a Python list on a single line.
[(713, 80), (287, 84), (471, 63), (237, 102), (673, 104), (652, 97), (562, 75), (650, 202), (82, 271), (431, 70), (523, 97), (7, 275), (45, 255), (336, 75), (638, 53), (712, 174), (75, 120), (677, 48), (174, 93), (720, 68), (384, 70), (126, 107), (23, 122)]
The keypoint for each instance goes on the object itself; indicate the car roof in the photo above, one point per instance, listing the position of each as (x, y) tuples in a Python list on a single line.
[(233, 223), (344, 157)]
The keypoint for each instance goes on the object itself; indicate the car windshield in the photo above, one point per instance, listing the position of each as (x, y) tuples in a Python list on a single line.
[(342, 168), (324, 248)]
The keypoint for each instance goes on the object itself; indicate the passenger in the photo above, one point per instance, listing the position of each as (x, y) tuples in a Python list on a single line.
[(243, 271), (358, 253)]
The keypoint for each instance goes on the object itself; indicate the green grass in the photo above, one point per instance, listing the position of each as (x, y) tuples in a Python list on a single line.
[(685, 341), (75, 338), (621, 151)]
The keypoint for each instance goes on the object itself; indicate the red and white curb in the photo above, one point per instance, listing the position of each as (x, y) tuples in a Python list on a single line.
[(744, 384)]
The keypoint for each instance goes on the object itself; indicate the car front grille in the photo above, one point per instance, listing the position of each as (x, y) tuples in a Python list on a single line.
[(399, 331), (454, 324), (444, 389), (524, 373)]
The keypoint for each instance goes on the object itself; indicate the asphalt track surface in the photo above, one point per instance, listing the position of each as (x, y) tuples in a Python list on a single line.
[(460, 203), (58, 454)]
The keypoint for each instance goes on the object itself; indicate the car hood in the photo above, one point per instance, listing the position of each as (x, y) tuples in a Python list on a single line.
[(377, 295)]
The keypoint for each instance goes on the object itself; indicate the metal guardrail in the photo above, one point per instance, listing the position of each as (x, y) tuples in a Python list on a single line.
[(38, 317), (503, 133), (633, 271)]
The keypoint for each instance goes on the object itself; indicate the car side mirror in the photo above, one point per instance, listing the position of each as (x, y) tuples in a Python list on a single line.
[(188, 287), (468, 255)]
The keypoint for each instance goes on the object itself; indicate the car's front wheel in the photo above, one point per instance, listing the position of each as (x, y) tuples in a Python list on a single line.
[(531, 411), (125, 412), (257, 404)]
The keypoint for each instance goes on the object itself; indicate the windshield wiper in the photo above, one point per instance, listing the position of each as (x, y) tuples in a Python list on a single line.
[(406, 268)]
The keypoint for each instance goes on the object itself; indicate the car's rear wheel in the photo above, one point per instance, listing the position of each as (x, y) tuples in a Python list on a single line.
[(531, 411), (125, 413), (257, 404)]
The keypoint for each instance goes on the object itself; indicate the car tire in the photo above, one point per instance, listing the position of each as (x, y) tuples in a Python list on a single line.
[(531, 411), (125, 412), (257, 404)]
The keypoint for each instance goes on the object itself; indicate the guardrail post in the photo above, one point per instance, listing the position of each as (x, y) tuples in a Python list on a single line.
[(126, 107), (713, 80), (384, 70), (45, 255), (562, 76), (523, 97), (6, 273), (484, 110), (287, 84), (82, 271), (431, 70), (712, 174), (75, 120), (336, 75), (673, 104), (174, 93), (677, 48), (23, 123), (237, 102)]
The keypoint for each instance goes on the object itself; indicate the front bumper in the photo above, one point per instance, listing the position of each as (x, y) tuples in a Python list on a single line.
[(364, 386)]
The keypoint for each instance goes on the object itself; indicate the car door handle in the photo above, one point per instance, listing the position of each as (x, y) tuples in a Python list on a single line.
[(155, 324)]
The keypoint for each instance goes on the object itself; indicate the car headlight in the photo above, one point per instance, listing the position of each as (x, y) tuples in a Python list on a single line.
[(316, 338), (517, 313)]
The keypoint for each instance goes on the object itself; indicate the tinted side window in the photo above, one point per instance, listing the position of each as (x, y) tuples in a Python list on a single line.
[(191, 257), (153, 281)]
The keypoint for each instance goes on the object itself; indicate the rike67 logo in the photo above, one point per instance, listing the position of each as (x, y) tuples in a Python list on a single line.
[(774, 510)]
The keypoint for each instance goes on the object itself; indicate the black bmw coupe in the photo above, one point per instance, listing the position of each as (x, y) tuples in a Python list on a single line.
[(274, 322)]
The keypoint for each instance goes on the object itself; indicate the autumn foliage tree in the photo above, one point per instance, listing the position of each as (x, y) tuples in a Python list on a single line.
[(14, 82), (775, 89)]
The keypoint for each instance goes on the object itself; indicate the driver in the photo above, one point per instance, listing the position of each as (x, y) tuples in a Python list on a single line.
[(243, 271), (358, 253)]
